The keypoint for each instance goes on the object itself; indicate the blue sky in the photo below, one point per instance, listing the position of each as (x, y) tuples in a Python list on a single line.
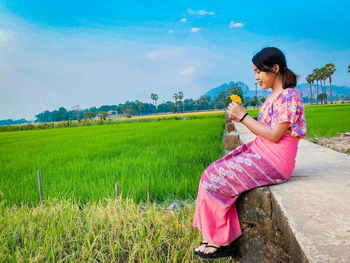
[(93, 53)]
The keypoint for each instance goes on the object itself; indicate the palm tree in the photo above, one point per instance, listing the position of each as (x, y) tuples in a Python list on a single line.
[(349, 68), (330, 69), (310, 80), (176, 97), (180, 95), (316, 73), (313, 79), (324, 76), (154, 98)]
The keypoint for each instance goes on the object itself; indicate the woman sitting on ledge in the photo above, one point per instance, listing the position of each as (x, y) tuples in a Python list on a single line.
[(268, 159)]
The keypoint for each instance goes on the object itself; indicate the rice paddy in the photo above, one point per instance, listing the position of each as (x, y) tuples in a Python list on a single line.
[(327, 120), (84, 163)]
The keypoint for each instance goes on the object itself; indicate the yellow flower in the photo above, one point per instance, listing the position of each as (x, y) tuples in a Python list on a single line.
[(236, 98)]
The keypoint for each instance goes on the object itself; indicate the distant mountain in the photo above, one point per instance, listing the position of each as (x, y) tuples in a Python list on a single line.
[(337, 91), (214, 92), (246, 91)]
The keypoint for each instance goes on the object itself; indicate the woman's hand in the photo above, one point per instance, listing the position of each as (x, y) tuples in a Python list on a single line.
[(236, 111), (273, 133)]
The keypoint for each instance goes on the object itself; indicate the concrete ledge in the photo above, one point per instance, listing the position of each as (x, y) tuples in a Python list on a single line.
[(311, 209), (261, 240)]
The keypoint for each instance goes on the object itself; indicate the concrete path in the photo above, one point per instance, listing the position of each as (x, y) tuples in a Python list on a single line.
[(315, 201)]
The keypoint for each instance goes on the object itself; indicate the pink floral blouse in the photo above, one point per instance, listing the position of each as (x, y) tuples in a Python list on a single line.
[(287, 106)]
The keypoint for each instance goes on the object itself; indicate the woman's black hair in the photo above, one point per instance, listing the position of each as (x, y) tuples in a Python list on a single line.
[(266, 58)]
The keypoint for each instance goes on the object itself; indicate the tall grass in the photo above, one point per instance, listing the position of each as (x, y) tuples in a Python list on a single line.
[(83, 163), (104, 231)]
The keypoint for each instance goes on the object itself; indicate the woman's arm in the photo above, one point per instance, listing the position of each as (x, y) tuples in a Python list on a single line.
[(273, 133)]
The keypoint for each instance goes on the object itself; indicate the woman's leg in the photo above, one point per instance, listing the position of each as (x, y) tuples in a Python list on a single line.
[(218, 223), (219, 188)]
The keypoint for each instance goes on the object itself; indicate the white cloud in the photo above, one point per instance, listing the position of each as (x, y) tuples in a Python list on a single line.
[(203, 12), (6, 38), (152, 54), (199, 12), (183, 20), (190, 11), (171, 31), (195, 29), (189, 70), (233, 24)]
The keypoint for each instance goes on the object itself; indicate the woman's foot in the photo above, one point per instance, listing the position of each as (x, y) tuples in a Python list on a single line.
[(201, 247), (211, 248)]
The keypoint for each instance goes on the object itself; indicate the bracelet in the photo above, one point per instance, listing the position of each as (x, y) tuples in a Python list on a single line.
[(243, 117)]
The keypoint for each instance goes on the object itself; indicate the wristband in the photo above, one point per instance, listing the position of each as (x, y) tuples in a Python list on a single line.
[(243, 117)]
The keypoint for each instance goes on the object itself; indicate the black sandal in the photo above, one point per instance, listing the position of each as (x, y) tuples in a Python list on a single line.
[(220, 252), (202, 243)]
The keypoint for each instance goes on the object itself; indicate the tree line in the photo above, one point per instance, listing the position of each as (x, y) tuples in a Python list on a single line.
[(130, 108)]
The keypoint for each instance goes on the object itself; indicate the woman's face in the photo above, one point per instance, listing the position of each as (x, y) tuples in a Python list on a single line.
[(265, 79)]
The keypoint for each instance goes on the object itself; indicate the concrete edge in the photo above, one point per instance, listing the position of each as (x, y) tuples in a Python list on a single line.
[(280, 221)]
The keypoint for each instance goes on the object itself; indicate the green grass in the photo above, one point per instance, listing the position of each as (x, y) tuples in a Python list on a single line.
[(327, 120), (84, 163)]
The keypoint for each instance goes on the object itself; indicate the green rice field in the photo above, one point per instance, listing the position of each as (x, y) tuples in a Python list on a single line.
[(84, 163), (327, 120)]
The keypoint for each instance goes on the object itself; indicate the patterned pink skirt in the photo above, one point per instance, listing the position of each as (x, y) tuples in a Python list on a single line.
[(220, 186)]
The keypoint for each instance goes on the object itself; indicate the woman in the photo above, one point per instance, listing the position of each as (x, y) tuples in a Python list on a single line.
[(268, 159)]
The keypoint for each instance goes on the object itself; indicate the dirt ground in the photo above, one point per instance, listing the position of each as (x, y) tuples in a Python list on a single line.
[(340, 144)]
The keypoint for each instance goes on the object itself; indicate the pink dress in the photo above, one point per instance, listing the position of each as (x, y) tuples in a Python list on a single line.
[(218, 221)]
